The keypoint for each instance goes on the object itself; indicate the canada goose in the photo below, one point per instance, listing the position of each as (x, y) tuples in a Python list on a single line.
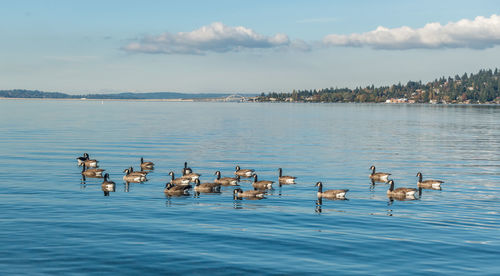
[(330, 193), (134, 178), (179, 181), (191, 176), (188, 173), (93, 173), (226, 181), (85, 160), (132, 172), (81, 159), (263, 184), (250, 193), (146, 165), (172, 189), (206, 187), (400, 192), (186, 169), (244, 172), (380, 176), (428, 184), (285, 179), (108, 185)]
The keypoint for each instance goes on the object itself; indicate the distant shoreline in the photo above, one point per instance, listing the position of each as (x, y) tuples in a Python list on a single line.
[(95, 100), (250, 101)]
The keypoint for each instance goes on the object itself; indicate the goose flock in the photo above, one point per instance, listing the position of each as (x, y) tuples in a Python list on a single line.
[(181, 185)]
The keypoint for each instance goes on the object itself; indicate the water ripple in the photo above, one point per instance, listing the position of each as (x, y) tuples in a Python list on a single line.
[(53, 223)]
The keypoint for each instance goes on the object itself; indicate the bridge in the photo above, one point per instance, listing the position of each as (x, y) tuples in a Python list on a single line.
[(235, 98)]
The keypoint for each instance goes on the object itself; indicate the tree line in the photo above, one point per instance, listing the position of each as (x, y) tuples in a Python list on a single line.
[(22, 93), (481, 87)]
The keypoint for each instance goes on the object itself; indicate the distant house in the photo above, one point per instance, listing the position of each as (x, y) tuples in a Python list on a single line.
[(400, 100)]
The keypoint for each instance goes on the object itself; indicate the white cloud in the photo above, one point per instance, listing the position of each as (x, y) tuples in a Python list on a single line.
[(480, 33), (215, 37)]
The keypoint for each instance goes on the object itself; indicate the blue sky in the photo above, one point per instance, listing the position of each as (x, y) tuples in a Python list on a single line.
[(240, 46)]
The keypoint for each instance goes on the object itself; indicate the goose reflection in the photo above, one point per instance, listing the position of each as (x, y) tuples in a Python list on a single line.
[(319, 202), (238, 201), (375, 183), (126, 187), (372, 185), (391, 200), (420, 190), (237, 204), (173, 200), (83, 182), (83, 185), (399, 198), (197, 194)]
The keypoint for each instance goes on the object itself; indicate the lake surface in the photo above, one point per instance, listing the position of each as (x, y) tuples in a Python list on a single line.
[(53, 223)]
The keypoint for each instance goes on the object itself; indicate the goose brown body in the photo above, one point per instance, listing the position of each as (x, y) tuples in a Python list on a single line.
[(285, 179), (81, 159), (226, 181), (250, 193), (191, 176), (206, 187), (428, 184), (92, 173), (146, 165), (171, 189), (133, 178), (262, 184), (179, 181), (339, 193), (132, 172), (107, 185), (186, 169), (379, 176), (400, 192), (243, 172), (85, 160)]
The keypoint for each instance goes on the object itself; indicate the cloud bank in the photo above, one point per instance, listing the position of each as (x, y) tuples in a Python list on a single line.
[(480, 33), (215, 37)]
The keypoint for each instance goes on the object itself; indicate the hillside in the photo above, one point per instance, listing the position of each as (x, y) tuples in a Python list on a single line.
[(20, 93), (482, 87)]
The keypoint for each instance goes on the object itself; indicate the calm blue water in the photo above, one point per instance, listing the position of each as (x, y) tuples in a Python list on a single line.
[(51, 222)]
